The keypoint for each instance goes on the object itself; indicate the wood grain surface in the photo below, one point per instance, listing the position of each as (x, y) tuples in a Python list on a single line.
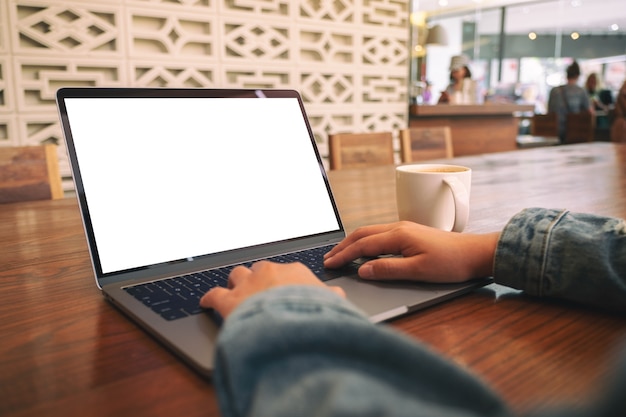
[(65, 351)]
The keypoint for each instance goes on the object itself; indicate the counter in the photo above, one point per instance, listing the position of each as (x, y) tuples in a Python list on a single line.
[(475, 129)]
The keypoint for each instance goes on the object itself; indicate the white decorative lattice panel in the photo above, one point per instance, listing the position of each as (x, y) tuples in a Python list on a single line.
[(159, 74), (170, 33), (8, 130), (7, 95), (348, 58), (4, 29), (52, 28)]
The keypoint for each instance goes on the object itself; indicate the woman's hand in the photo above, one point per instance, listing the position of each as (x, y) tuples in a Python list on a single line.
[(427, 254), (245, 282)]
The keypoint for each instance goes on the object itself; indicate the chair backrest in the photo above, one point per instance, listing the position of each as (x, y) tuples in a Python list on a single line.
[(423, 143), (358, 150), (29, 173), (579, 127), (544, 125), (618, 127)]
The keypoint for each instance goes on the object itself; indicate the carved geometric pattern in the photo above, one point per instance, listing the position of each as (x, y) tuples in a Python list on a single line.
[(255, 40), (383, 89), (4, 29), (384, 50), (327, 46), (170, 34), (327, 88), (257, 78), (190, 3), (67, 29), (280, 7), (39, 79), (348, 58), (37, 129), (8, 130), (6, 98), (386, 13), (337, 11), (156, 74)]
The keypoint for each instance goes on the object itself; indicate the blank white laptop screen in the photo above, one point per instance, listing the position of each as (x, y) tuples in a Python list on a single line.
[(174, 178)]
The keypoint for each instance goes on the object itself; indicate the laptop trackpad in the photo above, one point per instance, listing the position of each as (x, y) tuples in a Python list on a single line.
[(384, 300)]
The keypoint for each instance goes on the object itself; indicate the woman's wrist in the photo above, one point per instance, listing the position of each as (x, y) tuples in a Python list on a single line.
[(482, 251)]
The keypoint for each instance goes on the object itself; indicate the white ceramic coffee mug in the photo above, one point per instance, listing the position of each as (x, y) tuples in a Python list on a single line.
[(435, 195)]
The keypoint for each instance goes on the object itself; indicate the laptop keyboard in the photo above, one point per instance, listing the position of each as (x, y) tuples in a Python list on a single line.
[(179, 297)]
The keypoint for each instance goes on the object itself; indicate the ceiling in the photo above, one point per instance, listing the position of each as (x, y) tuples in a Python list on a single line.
[(584, 16)]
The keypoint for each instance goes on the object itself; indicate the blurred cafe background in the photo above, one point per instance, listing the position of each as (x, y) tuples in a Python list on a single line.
[(376, 66), (518, 50)]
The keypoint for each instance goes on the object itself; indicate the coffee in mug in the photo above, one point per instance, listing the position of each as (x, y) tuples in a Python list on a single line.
[(435, 195)]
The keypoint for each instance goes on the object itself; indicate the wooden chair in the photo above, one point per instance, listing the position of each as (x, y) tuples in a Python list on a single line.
[(545, 125), (29, 173), (579, 127), (423, 143), (357, 150)]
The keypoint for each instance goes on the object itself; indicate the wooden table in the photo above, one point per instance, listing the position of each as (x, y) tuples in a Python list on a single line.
[(65, 351)]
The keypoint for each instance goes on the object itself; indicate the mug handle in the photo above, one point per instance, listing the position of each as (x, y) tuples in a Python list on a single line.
[(461, 203)]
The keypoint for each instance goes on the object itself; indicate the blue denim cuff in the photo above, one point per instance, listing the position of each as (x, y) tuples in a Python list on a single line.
[(556, 253), (522, 251)]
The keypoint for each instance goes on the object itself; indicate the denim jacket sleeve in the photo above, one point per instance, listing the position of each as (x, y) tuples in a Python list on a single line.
[(304, 351), (573, 256)]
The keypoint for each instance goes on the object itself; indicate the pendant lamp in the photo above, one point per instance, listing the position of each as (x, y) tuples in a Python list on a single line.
[(437, 36)]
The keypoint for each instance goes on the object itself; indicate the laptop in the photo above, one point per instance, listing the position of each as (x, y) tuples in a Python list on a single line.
[(176, 186)]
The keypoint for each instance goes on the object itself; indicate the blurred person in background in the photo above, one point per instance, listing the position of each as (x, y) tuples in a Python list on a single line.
[(462, 89), (568, 98), (618, 128), (591, 86)]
